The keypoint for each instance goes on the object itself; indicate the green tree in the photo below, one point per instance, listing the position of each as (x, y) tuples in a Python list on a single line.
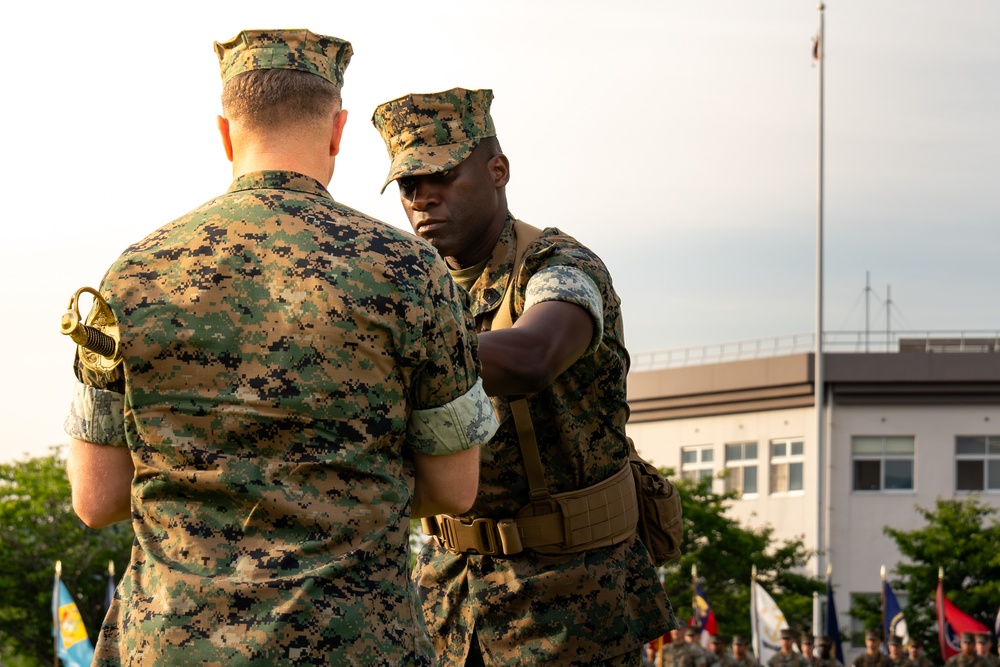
[(960, 537), (37, 528), (725, 553)]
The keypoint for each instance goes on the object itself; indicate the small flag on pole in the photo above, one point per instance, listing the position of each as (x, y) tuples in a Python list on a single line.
[(952, 622), (766, 622), (893, 623), (832, 625), (71, 641), (702, 614)]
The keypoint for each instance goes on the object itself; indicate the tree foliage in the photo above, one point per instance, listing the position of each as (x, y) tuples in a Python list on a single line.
[(37, 528), (725, 552), (961, 538)]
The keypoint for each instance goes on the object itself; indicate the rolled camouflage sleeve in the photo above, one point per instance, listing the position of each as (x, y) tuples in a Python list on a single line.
[(463, 423), (451, 411), (569, 284), (96, 415)]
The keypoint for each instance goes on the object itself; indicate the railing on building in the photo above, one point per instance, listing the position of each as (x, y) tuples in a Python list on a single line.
[(833, 341)]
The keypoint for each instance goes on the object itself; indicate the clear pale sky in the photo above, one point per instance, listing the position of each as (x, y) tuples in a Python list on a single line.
[(678, 139)]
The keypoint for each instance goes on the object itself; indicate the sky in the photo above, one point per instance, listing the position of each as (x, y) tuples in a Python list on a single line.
[(677, 139)]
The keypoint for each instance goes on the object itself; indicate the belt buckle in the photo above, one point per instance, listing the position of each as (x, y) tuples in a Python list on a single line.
[(480, 532)]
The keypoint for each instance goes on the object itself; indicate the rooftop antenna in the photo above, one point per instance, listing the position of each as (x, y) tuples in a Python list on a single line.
[(888, 316)]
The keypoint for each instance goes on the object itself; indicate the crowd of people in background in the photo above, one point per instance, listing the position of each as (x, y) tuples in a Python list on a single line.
[(685, 649)]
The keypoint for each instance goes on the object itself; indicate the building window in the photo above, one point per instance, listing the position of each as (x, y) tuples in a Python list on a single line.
[(696, 463), (882, 463), (741, 467), (787, 458), (977, 463)]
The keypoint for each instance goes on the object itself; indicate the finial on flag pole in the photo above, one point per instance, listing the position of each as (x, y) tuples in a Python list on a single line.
[(111, 568)]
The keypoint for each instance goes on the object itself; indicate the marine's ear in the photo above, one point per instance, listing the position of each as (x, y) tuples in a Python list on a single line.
[(339, 121), (227, 141)]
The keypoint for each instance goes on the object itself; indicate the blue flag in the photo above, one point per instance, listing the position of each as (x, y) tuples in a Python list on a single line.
[(892, 616), (832, 626), (72, 642)]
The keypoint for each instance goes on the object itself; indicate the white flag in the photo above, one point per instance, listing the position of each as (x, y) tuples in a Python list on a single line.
[(766, 622)]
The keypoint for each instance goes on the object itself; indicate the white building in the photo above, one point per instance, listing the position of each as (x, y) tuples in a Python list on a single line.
[(900, 429)]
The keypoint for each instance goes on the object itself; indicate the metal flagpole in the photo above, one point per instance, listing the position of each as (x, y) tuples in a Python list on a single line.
[(819, 383), (55, 615)]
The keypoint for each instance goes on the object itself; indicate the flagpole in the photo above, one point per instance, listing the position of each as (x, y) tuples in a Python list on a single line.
[(55, 617), (819, 382), (939, 603), (694, 593), (755, 612), (885, 626)]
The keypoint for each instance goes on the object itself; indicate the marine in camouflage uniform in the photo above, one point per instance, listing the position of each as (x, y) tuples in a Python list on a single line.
[(740, 657), (787, 657), (897, 655), (873, 656), (287, 361), (984, 649), (581, 608), (826, 657), (916, 653), (968, 656), (682, 653)]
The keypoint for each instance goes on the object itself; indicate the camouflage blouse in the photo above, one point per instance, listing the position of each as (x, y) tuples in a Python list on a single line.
[(530, 609), (284, 356)]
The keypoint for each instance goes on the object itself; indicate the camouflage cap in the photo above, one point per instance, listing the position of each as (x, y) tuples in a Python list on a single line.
[(285, 49), (787, 633), (983, 638), (691, 631), (895, 640), (823, 640), (426, 133), (968, 638), (739, 640)]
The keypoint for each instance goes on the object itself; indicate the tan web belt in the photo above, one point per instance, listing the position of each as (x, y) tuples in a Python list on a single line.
[(597, 516)]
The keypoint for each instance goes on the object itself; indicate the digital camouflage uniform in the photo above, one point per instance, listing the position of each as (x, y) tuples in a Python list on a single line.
[(826, 662), (922, 661), (961, 660), (747, 661), (793, 659), (529, 609), (865, 660), (284, 357), (683, 655)]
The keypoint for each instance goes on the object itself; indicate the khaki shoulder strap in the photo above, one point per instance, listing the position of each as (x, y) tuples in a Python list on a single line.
[(523, 235), (502, 319)]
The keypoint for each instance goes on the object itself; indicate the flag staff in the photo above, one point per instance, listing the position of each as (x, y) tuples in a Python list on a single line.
[(819, 384), (55, 616), (755, 638)]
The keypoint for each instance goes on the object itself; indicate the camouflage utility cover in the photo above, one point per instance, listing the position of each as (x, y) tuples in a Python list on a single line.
[(284, 356), (531, 609), (301, 50), (430, 132)]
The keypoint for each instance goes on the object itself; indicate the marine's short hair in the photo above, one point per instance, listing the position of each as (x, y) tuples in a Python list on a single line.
[(269, 98), (281, 77)]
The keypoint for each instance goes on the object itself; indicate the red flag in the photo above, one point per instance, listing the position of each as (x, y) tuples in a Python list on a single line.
[(952, 622)]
